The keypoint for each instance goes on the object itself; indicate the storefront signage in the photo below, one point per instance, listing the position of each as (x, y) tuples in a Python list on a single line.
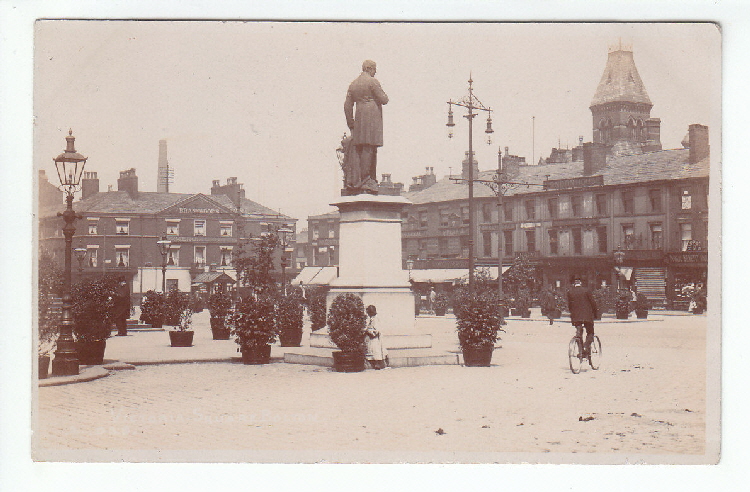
[(580, 182), (687, 257), (199, 210)]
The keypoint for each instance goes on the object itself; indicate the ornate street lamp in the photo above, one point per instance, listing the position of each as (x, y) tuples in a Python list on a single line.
[(410, 266), (69, 167), (164, 244), (472, 105), (284, 237)]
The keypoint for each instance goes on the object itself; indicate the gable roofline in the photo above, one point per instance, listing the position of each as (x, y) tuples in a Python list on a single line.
[(192, 197)]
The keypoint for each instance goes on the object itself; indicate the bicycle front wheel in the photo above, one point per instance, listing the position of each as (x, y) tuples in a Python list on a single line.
[(575, 355), (595, 358)]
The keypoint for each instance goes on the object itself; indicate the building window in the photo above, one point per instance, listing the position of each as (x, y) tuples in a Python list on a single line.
[(199, 227), (173, 227), (315, 232), (686, 235), (465, 215), (530, 209), (92, 254), (531, 240), (687, 200), (553, 242), (200, 256), (487, 212), (627, 202), (331, 230), (422, 219), (443, 245), (92, 228), (508, 211), (552, 208), (601, 204), (601, 239), (122, 257), (654, 197), (577, 241), (576, 206), (628, 236), (173, 256), (444, 218), (656, 236), (226, 256), (508, 242), (487, 243), (225, 230), (122, 227)]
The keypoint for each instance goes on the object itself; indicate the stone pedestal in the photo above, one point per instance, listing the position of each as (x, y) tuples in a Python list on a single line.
[(370, 259)]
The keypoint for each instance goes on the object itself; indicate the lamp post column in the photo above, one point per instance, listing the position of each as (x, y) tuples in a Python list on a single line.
[(65, 362)]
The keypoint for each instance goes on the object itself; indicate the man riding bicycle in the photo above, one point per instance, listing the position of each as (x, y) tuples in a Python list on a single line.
[(583, 310)]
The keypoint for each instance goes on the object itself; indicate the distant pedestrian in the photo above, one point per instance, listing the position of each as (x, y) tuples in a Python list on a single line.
[(122, 308), (433, 296), (377, 355), (583, 310)]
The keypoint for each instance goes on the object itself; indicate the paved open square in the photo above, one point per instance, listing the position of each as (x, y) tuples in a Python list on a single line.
[(647, 398)]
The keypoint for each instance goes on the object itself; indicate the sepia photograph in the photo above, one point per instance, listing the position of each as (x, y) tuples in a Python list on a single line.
[(352, 242)]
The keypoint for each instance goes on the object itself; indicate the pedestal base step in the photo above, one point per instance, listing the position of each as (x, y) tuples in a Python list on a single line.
[(320, 339), (398, 358)]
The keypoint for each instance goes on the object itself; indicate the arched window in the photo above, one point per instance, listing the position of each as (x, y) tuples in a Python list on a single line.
[(632, 130), (642, 130)]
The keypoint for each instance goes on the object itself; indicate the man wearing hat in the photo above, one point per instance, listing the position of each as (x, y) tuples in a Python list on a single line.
[(583, 310)]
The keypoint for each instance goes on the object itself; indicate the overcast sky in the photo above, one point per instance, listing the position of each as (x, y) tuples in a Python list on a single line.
[(264, 101)]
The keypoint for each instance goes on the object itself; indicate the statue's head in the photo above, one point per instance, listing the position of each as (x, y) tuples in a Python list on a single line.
[(369, 67)]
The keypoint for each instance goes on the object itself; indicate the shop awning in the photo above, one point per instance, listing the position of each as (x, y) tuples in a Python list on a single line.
[(315, 276)]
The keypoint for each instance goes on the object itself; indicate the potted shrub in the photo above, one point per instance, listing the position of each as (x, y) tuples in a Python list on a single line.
[(219, 304), (699, 299), (478, 324), (642, 305), (254, 327), (606, 298), (622, 305), (346, 325), (50, 285), (289, 314), (550, 305), (178, 316), (93, 315), (317, 306), (522, 304), (151, 308), (440, 304)]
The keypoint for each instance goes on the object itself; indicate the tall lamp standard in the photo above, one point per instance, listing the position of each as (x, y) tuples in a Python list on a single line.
[(284, 234), (619, 257), (69, 167), (472, 104), (164, 250)]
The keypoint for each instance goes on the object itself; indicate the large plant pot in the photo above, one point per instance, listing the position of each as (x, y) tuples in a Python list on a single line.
[(525, 313), (219, 329), (254, 355), (478, 356), (43, 366), (348, 362), (181, 338), (641, 313), (554, 313), (698, 310), (90, 353), (622, 314), (290, 339), (439, 311)]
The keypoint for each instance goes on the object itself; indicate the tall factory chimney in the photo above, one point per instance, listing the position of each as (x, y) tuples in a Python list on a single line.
[(165, 174)]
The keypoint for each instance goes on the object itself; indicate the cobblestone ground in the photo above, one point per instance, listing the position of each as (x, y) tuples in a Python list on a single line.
[(648, 397)]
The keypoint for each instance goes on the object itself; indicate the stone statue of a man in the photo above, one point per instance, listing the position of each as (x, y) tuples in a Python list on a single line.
[(364, 117)]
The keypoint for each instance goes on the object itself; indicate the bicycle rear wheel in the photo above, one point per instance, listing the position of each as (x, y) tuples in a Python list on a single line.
[(595, 358), (575, 355)]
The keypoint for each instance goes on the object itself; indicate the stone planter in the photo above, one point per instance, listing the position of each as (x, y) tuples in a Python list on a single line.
[(478, 356), (622, 314), (348, 362), (439, 311), (641, 313), (181, 338), (90, 353), (254, 355), (219, 330), (290, 339), (43, 366)]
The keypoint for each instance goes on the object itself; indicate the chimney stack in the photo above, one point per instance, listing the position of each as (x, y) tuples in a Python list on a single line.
[(128, 181), (594, 158), (465, 167), (89, 184), (698, 141), (162, 177)]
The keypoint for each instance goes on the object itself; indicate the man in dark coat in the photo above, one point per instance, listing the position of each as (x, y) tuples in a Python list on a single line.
[(583, 310), (363, 109), (122, 308)]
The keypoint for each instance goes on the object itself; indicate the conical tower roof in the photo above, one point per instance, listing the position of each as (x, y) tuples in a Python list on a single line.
[(620, 81)]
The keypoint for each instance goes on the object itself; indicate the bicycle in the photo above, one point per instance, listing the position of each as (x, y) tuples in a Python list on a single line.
[(575, 354)]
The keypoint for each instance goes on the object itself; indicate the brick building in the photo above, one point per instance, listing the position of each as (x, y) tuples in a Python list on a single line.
[(120, 230)]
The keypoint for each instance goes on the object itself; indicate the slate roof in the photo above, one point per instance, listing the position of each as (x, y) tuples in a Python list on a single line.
[(620, 81), (623, 170), (148, 202), (208, 277)]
